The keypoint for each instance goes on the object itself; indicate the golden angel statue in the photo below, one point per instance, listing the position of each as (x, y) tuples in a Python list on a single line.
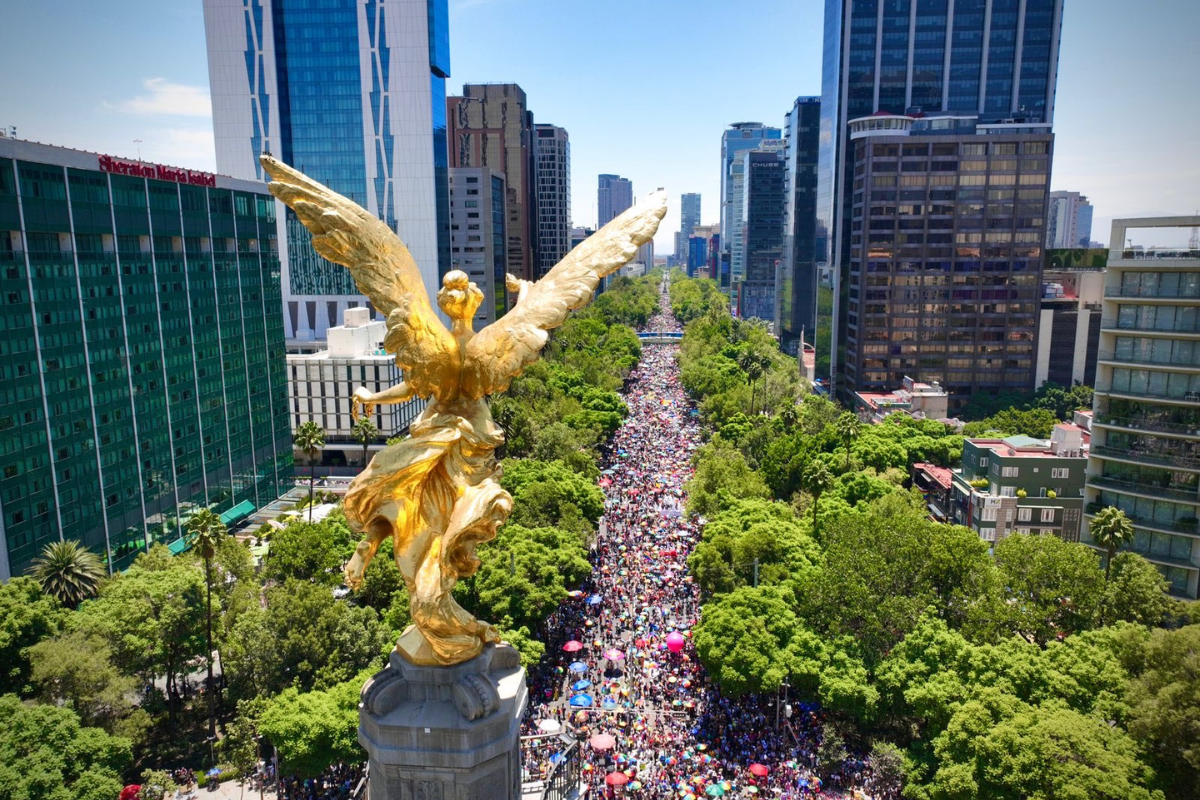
[(437, 493)]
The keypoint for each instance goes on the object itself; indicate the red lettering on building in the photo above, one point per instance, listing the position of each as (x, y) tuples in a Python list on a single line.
[(159, 172)]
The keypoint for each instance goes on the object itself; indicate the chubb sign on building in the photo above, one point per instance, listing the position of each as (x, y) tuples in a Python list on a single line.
[(137, 169)]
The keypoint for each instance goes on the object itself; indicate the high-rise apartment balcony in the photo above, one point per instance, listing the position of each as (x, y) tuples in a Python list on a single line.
[(1138, 360), (1160, 255), (1142, 456), (1145, 489), (1187, 526), (1189, 292), (1165, 396), (1191, 430)]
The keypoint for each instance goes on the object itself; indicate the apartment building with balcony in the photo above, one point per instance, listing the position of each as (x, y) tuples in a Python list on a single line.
[(1022, 485), (1145, 457)]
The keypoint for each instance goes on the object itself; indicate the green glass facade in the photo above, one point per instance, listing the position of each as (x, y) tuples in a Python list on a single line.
[(142, 368)]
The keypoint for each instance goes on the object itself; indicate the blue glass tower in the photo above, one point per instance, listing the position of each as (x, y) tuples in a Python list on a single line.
[(327, 85)]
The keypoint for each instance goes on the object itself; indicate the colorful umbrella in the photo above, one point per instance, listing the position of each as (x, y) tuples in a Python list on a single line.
[(759, 770), (613, 654), (603, 741)]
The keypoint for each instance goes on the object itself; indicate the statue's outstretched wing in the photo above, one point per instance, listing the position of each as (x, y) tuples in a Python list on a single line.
[(383, 269), (498, 353)]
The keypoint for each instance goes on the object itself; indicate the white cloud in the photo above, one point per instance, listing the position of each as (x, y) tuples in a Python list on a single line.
[(184, 147), (168, 99)]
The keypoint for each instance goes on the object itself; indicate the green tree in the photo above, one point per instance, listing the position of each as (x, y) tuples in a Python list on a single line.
[(546, 492), (156, 785), (310, 551), (1164, 703), (1053, 588), (524, 575), (68, 571), (205, 530), (721, 475), (817, 480), (76, 669), (27, 616), (310, 439), (303, 638), (366, 432), (750, 641), (848, 427), (886, 766), (46, 754), (997, 748), (1136, 591), (751, 534), (1111, 529), (153, 620), (316, 729)]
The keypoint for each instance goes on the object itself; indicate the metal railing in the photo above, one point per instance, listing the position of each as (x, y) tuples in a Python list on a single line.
[(1165, 459), (1136, 487), (1190, 429), (1160, 255), (1110, 355), (550, 766), (1178, 526), (1154, 293)]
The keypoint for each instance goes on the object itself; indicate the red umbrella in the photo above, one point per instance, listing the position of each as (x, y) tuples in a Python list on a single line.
[(759, 770), (603, 741), (573, 646), (616, 779)]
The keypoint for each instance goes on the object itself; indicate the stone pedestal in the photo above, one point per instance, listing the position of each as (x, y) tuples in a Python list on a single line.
[(445, 733)]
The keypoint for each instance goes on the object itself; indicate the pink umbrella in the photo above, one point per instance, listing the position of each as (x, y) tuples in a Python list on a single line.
[(675, 641), (573, 646), (602, 742), (613, 654)]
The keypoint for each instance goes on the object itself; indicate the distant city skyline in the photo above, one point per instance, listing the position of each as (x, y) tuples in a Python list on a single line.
[(102, 94)]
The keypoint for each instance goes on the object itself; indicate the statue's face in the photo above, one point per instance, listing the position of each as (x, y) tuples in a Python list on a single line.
[(459, 298)]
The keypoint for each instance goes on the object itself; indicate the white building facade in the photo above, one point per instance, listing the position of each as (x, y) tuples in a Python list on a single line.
[(352, 94), (321, 385)]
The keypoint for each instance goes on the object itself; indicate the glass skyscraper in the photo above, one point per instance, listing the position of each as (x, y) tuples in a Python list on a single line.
[(797, 297), (738, 137), (986, 62), (352, 93), (141, 352)]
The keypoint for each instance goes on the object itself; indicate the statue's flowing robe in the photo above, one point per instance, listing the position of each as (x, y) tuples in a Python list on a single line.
[(438, 494)]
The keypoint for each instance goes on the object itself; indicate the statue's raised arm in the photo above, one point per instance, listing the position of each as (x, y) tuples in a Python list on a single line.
[(383, 269), (499, 353)]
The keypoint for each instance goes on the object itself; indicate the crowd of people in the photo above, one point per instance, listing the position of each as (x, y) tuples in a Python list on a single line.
[(336, 783), (621, 677)]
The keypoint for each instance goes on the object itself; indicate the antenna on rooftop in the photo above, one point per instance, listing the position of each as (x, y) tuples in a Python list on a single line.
[(1194, 241)]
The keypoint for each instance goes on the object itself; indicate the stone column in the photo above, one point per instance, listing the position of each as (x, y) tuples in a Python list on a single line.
[(445, 733)]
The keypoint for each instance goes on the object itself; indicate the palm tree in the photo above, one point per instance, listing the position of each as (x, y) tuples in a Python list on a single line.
[(817, 479), (365, 431), (847, 427), (1110, 529), (68, 571), (310, 438), (204, 533)]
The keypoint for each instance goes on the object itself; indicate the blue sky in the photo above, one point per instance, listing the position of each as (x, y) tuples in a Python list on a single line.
[(643, 88)]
